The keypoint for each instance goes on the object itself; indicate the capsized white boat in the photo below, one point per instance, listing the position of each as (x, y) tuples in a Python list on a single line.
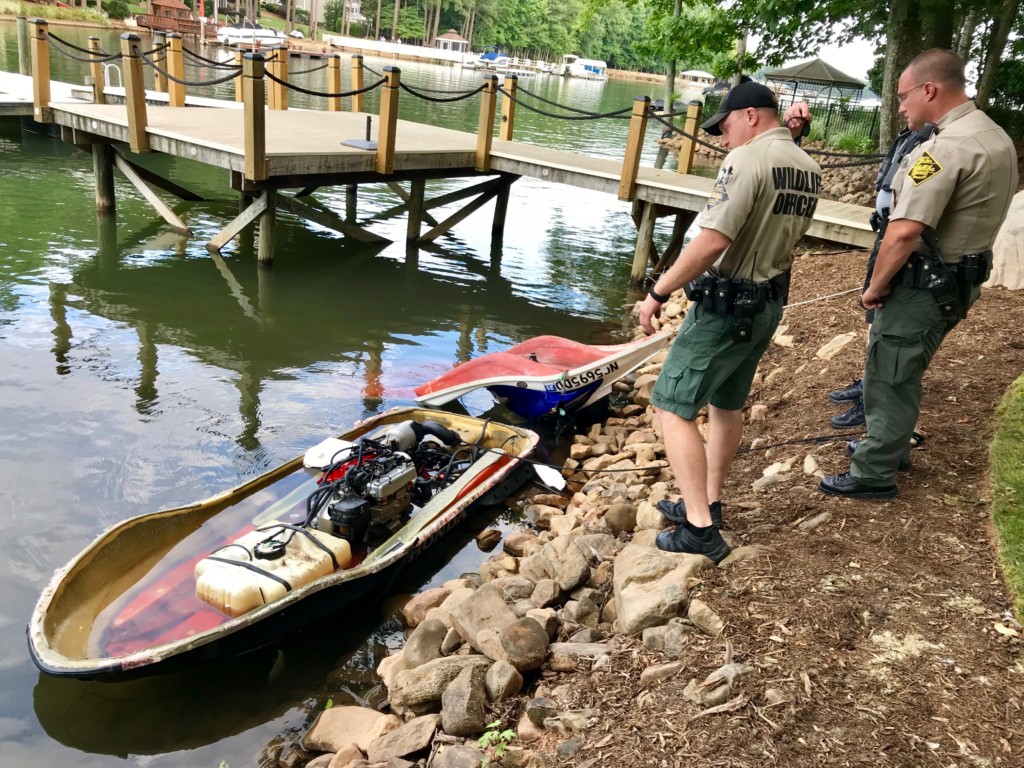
[(544, 375)]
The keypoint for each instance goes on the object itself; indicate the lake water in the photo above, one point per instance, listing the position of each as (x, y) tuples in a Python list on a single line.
[(137, 372)]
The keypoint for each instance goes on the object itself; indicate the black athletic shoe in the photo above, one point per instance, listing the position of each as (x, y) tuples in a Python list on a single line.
[(675, 511), (851, 448), (850, 487), (852, 418), (848, 394), (695, 541)]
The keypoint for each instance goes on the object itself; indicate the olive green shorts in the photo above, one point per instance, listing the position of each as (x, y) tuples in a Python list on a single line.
[(706, 366)]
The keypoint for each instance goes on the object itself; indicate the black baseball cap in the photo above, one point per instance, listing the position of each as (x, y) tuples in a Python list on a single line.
[(742, 96)]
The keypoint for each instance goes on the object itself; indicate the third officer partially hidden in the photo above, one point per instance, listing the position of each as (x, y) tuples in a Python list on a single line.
[(951, 195)]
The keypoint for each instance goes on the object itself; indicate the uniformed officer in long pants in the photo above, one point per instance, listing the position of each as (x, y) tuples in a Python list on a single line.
[(950, 198)]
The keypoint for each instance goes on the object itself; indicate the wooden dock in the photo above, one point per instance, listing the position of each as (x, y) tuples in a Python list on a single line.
[(272, 150)]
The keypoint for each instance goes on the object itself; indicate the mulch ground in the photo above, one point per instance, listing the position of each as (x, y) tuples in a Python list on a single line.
[(878, 627)]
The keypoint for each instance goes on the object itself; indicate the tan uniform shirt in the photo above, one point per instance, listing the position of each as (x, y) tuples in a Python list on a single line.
[(959, 182), (764, 199)]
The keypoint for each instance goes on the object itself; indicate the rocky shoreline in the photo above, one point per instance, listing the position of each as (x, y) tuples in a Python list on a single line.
[(854, 185), (584, 586)]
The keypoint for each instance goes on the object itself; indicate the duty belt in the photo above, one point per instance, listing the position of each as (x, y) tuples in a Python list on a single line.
[(919, 271), (740, 299)]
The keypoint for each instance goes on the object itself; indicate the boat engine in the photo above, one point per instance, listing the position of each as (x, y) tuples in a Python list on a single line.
[(371, 486)]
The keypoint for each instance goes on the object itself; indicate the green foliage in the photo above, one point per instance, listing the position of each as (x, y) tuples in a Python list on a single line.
[(116, 9), (850, 141), (332, 15), (1007, 467), (703, 36), (36, 10), (494, 741)]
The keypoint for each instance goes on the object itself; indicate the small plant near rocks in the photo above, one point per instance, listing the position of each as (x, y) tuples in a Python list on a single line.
[(494, 741)]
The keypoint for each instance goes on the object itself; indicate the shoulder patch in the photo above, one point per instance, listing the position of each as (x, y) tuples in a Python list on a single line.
[(719, 194), (925, 167)]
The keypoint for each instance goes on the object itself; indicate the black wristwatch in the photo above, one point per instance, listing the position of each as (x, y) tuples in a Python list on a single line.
[(657, 296)]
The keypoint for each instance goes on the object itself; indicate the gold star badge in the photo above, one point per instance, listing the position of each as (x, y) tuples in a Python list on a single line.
[(925, 167)]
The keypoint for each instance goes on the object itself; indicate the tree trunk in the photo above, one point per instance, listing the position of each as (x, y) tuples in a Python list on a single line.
[(942, 18), (289, 15), (437, 21), (741, 52), (428, 22), (376, 23), (996, 46), (394, 23), (903, 42), (965, 40)]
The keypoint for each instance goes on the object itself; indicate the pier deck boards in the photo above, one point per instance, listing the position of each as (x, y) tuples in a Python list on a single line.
[(308, 143)]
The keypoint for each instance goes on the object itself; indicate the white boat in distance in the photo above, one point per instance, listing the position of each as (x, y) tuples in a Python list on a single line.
[(586, 69), (251, 33)]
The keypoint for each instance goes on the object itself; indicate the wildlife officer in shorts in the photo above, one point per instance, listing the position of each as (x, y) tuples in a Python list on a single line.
[(950, 198), (736, 271)]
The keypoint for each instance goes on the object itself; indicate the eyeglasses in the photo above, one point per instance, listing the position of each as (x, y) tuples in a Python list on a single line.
[(901, 97)]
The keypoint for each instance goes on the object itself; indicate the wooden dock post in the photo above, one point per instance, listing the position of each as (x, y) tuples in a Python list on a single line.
[(134, 92), (176, 68), (24, 54), (238, 80), (388, 123), (278, 67), (501, 208), (485, 130), (96, 72), (642, 256), (103, 166), (265, 248), (357, 82), (688, 147), (634, 147), (334, 81), (255, 118), (508, 108), (160, 59), (417, 188), (40, 72)]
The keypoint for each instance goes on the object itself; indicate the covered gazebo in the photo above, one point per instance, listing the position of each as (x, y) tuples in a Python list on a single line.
[(817, 81), (451, 41)]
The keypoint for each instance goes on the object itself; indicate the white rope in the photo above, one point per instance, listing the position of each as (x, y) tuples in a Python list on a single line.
[(821, 298)]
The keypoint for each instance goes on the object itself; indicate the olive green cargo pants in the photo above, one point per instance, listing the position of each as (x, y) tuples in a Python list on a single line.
[(905, 335)]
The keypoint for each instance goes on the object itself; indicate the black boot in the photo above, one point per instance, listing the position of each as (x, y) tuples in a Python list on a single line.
[(675, 511), (850, 487), (695, 541), (848, 394), (852, 418)]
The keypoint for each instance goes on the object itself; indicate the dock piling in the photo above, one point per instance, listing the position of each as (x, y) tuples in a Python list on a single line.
[(238, 80), (485, 130), (634, 147), (24, 54), (334, 81), (160, 59), (96, 73), (103, 166), (265, 248), (388, 123), (176, 67), (508, 107), (134, 92), (254, 119), (278, 67), (40, 72), (417, 188), (357, 82), (688, 147)]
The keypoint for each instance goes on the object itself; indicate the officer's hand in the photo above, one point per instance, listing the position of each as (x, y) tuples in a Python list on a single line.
[(873, 297), (648, 309), (797, 117)]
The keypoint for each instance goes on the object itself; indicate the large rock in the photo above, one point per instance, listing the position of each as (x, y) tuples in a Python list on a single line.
[(570, 657), (565, 563), (338, 727), (650, 586), (426, 683), (415, 611), (487, 609), (523, 644), (458, 756), (411, 738), (424, 644), (463, 704), (502, 681)]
